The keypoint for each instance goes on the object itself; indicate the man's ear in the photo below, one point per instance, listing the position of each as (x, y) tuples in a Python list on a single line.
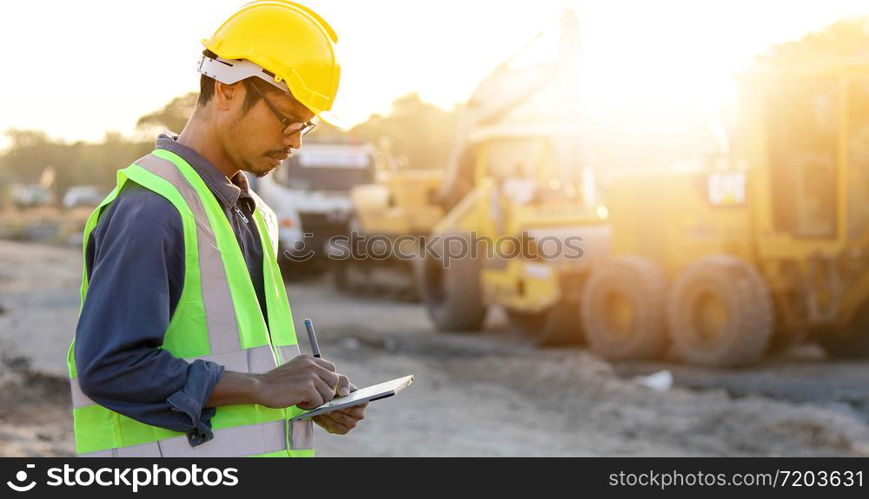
[(225, 96)]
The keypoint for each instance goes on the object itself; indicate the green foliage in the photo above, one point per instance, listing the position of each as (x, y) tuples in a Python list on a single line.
[(173, 116), (846, 38), (420, 134), (78, 163)]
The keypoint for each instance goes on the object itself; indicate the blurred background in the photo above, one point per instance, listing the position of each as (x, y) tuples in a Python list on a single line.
[(709, 160)]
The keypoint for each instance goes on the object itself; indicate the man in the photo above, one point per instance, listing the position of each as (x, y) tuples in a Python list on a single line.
[(185, 343)]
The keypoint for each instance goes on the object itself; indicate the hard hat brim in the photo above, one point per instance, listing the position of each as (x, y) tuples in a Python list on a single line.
[(334, 119), (233, 71)]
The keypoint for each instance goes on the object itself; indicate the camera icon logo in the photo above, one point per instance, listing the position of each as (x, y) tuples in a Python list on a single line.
[(20, 477)]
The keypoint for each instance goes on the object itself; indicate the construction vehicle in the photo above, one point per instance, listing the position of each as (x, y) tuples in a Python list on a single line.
[(310, 194), (519, 196), (392, 214), (541, 237), (768, 245)]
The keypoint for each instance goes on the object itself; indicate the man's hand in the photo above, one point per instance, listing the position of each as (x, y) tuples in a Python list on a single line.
[(305, 381), (341, 422)]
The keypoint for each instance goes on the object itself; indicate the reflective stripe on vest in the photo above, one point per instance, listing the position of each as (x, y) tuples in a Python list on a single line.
[(219, 312), (217, 319)]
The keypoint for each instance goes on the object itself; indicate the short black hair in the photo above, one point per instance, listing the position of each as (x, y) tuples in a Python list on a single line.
[(206, 88)]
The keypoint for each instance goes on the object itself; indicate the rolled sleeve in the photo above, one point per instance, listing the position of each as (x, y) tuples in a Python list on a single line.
[(190, 401)]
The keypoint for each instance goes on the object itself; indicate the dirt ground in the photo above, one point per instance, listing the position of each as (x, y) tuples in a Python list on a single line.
[(488, 394)]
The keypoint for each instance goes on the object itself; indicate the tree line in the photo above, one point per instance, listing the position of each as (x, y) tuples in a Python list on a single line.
[(419, 136)]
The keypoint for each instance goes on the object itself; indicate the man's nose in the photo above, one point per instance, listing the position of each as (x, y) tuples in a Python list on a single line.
[(293, 141)]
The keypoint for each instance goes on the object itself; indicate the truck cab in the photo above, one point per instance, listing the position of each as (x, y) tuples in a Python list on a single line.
[(310, 194)]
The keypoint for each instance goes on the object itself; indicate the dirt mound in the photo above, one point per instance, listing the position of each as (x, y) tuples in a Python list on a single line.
[(709, 422), (34, 411)]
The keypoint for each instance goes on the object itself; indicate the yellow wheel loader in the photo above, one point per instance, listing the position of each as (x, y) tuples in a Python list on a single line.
[(522, 238), (518, 187), (391, 215), (493, 227), (522, 225), (766, 246)]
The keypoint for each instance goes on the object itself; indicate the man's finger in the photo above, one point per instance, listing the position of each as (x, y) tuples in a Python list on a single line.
[(326, 391), (341, 419), (329, 424), (331, 378), (348, 422), (314, 400), (343, 386), (356, 411), (348, 416), (334, 425), (326, 364)]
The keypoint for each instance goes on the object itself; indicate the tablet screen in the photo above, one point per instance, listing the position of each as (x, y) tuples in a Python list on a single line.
[(362, 395)]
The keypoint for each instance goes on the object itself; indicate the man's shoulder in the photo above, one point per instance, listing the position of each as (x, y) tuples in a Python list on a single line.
[(139, 205), (138, 222)]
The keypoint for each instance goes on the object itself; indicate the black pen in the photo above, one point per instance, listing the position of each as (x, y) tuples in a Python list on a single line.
[(312, 337)]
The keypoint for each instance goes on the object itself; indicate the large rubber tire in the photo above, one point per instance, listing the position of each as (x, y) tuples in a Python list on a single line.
[(720, 313), (557, 326), (453, 295), (851, 342), (345, 278), (622, 309), (340, 279), (296, 271)]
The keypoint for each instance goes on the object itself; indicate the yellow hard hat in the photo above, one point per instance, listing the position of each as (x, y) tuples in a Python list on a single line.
[(284, 43)]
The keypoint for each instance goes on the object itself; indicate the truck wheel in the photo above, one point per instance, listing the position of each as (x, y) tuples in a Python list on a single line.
[(839, 346), (851, 342), (720, 313), (295, 271), (559, 325), (349, 277), (623, 309), (453, 295)]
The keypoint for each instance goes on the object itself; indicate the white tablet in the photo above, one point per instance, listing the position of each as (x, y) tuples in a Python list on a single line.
[(362, 395)]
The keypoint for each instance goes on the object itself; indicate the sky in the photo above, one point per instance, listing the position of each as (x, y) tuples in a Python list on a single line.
[(77, 69)]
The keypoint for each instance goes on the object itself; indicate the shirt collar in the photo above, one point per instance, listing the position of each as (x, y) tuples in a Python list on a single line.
[(229, 192)]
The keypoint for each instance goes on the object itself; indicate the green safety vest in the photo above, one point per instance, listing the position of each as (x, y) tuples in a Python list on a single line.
[(218, 318)]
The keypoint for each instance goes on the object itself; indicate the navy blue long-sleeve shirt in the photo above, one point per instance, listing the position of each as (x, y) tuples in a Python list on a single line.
[(135, 264)]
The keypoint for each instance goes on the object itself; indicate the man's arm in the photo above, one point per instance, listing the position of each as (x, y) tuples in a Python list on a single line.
[(135, 259), (304, 381), (293, 383)]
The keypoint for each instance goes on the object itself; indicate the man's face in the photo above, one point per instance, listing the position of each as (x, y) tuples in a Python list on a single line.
[(254, 140)]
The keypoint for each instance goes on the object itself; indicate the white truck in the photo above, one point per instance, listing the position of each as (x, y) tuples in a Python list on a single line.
[(310, 196)]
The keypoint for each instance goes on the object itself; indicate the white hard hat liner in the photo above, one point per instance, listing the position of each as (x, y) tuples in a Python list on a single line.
[(233, 71)]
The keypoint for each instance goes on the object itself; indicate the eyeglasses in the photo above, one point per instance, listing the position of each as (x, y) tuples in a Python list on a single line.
[(290, 127)]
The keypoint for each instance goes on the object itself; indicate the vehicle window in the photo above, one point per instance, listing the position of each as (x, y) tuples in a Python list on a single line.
[(802, 126), (858, 159), (516, 158)]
